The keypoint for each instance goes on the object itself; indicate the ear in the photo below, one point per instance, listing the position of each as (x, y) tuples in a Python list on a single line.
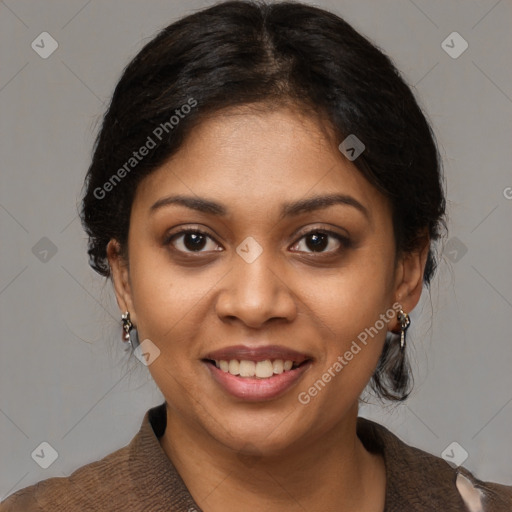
[(409, 276), (121, 278)]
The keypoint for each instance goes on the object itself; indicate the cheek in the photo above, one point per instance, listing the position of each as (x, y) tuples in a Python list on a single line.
[(356, 338), (354, 299), (355, 306), (171, 305), (157, 295), (359, 319)]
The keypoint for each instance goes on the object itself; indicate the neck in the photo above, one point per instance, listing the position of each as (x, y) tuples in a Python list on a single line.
[(331, 472)]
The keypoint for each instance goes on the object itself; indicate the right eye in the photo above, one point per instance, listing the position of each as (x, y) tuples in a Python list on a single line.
[(192, 240)]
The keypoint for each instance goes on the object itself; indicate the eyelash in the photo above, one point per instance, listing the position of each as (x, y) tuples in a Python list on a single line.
[(345, 243)]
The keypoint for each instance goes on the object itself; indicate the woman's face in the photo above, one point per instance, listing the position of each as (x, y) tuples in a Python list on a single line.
[(270, 272)]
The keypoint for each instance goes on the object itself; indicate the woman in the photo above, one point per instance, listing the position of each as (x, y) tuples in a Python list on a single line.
[(266, 195)]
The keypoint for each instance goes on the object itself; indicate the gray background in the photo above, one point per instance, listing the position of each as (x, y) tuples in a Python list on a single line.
[(65, 377)]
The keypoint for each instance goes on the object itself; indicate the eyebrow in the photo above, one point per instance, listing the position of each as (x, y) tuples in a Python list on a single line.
[(288, 209)]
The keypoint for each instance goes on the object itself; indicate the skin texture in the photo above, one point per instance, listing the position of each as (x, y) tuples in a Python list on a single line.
[(278, 454)]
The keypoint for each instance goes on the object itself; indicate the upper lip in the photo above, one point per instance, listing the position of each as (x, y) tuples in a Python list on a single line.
[(244, 352)]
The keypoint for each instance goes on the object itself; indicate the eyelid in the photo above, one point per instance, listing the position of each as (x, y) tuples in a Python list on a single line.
[(344, 240), (320, 229), (168, 238)]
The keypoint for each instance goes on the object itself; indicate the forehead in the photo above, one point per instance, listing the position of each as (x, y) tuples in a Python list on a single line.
[(255, 159)]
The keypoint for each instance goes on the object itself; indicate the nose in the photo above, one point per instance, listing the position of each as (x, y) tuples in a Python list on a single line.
[(254, 294)]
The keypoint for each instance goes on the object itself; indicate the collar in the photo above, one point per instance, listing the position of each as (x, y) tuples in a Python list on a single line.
[(432, 482)]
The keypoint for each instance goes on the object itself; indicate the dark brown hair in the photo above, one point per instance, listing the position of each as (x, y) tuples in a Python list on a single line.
[(237, 53)]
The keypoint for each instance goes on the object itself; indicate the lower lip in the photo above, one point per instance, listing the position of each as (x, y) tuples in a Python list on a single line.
[(252, 389)]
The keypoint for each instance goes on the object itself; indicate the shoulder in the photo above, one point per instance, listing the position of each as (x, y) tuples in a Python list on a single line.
[(84, 489), (23, 500), (426, 482), (138, 477), (489, 496)]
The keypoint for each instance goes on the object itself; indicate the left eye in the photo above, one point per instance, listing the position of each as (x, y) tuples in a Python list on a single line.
[(319, 241)]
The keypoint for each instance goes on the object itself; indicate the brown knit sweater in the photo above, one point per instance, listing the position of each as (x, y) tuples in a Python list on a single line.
[(140, 477)]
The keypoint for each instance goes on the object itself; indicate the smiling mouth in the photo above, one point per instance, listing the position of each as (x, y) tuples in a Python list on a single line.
[(256, 369)]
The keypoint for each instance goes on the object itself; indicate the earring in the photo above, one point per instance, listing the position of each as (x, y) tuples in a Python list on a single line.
[(130, 332), (405, 321)]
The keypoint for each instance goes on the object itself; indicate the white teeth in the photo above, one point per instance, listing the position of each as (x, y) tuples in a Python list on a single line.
[(278, 366), (261, 369), (247, 368), (264, 369), (234, 367)]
